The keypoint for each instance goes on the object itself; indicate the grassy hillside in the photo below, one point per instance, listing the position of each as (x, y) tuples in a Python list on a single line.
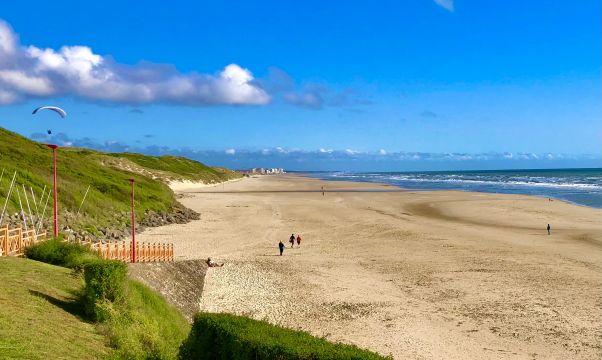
[(178, 168), (44, 317), (107, 203), (145, 326), (40, 318)]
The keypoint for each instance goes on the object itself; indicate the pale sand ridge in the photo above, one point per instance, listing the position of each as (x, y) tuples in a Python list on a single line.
[(420, 275)]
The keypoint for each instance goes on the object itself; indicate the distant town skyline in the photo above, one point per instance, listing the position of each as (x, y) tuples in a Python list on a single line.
[(424, 85)]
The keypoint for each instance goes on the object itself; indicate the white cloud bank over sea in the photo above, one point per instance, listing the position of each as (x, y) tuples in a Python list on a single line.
[(347, 159)]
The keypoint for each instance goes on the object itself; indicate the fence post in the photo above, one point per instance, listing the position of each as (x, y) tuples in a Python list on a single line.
[(20, 240), (5, 241)]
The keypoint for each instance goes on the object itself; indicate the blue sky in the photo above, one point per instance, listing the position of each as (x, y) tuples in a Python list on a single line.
[(385, 85)]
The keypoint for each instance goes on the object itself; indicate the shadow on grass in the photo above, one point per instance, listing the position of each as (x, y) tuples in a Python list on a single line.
[(72, 306)]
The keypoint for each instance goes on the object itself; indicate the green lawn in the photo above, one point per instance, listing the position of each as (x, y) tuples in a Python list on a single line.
[(39, 318)]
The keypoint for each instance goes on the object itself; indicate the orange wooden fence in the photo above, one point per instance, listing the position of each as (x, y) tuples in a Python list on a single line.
[(122, 250), (14, 241)]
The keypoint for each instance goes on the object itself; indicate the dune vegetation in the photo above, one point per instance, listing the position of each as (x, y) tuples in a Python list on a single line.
[(107, 203)]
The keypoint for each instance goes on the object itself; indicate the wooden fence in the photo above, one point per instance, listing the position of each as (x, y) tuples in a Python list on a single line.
[(14, 241), (122, 250)]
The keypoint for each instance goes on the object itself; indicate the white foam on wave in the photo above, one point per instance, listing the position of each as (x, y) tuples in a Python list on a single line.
[(500, 183)]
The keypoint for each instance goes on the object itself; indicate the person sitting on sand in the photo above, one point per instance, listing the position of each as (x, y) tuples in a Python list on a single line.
[(292, 240), (211, 263), (281, 247), (298, 240)]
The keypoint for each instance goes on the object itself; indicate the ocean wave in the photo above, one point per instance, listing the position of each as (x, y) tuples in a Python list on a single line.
[(579, 186), (458, 180)]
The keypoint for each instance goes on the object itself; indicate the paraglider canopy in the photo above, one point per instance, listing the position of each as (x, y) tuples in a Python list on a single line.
[(56, 109)]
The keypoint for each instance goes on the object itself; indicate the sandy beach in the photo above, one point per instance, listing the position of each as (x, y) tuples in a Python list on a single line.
[(419, 275)]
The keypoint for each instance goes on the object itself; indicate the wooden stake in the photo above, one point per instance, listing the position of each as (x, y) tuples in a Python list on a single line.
[(42, 199), (10, 190), (40, 222), (22, 212), (35, 203), (84, 199), (29, 209)]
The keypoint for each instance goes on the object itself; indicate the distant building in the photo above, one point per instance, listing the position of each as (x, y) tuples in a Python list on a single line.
[(264, 171)]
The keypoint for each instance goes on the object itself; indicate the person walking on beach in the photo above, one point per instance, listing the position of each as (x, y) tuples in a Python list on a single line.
[(298, 240), (281, 247), (322, 190), (549, 229), (292, 240)]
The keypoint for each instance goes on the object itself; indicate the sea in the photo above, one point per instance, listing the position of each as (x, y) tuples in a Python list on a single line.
[(578, 186)]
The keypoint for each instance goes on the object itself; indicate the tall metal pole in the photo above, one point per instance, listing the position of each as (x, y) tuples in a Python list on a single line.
[(132, 181), (56, 221)]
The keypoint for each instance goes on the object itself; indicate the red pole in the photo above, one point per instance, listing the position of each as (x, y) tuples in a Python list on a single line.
[(56, 221), (133, 225)]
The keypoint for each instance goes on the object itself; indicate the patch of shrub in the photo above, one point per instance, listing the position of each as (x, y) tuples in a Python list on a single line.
[(60, 253), (225, 336), (144, 326), (105, 282)]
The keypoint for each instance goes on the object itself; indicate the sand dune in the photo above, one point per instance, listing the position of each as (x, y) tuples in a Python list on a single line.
[(420, 275)]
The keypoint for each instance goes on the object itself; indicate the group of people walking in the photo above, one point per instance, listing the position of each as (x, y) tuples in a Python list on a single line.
[(291, 240)]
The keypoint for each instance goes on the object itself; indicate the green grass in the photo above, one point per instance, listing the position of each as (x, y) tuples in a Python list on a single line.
[(144, 326), (108, 200), (178, 168), (40, 317), (225, 336), (46, 312)]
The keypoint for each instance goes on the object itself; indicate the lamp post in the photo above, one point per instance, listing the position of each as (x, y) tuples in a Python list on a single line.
[(132, 181), (56, 222)]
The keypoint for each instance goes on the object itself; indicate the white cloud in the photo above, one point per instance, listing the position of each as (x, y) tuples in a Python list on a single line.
[(77, 71), (351, 152), (446, 4), (382, 152), (7, 97), (325, 151), (312, 100), (230, 151), (21, 82), (8, 40)]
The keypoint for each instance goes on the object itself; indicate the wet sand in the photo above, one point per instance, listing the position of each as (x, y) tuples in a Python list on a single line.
[(419, 275)]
